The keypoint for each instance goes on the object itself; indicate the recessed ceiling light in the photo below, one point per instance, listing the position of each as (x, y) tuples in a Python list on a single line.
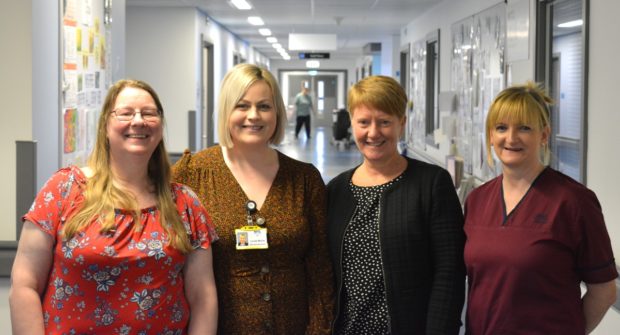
[(277, 45), (570, 24), (256, 21), (241, 4), (264, 31), (313, 64), (272, 39)]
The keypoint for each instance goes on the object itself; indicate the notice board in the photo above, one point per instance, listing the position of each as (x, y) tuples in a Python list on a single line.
[(85, 76)]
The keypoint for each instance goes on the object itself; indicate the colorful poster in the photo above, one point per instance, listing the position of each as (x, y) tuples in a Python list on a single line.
[(70, 130), (84, 76)]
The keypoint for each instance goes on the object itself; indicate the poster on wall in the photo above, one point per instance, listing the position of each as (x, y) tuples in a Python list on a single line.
[(84, 75), (69, 130), (478, 75), (417, 119)]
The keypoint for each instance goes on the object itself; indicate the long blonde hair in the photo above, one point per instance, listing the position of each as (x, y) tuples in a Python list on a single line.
[(102, 196)]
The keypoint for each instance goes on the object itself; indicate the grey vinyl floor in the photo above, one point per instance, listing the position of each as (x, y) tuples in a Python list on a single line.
[(328, 157)]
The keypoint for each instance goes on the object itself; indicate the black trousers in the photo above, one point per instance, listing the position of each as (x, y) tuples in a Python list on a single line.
[(302, 120)]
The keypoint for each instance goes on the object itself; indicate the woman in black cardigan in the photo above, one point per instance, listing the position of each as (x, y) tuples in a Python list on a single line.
[(395, 228)]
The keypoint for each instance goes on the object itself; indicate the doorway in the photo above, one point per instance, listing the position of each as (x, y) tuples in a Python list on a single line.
[(207, 128), (327, 89)]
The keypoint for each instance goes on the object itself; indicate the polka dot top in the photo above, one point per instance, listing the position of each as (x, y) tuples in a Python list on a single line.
[(365, 308)]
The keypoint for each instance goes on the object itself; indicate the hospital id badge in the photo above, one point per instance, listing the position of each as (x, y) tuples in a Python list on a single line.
[(251, 237)]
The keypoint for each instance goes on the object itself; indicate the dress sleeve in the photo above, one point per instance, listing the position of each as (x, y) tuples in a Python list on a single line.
[(49, 208), (197, 222), (318, 264), (595, 259), (183, 173), (447, 244)]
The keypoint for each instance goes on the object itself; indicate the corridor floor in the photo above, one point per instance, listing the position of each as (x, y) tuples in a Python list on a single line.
[(327, 157)]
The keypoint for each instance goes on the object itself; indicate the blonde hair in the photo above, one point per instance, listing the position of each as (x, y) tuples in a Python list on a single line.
[(381, 92), (521, 104), (234, 86), (101, 196)]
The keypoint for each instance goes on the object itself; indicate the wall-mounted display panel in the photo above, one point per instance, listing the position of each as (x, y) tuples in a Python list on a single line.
[(85, 75), (477, 76)]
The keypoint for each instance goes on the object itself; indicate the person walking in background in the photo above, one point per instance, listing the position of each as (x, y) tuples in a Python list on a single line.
[(115, 247), (395, 228), (283, 284), (533, 234), (303, 110)]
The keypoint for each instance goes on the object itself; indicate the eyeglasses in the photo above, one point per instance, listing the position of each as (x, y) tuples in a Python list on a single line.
[(127, 114)]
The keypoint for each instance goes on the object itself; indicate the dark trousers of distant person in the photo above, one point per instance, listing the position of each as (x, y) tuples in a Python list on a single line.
[(302, 120)]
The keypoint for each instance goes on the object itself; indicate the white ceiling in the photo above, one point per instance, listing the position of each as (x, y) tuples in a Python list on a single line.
[(356, 22)]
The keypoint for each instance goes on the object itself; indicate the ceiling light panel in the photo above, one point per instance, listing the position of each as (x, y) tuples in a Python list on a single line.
[(264, 31), (256, 21), (241, 4), (272, 40), (313, 64)]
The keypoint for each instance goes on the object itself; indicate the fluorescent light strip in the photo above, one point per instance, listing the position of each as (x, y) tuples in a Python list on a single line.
[(264, 31), (272, 40), (241, 4), (256, 21), (570, 24)]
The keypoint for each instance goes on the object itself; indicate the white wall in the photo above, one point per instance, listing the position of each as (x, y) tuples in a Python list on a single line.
[(225, 45), (45, 86), (117, 61), (16, 96), (163, 48), (160, 49), (390, 55), (16, 93), (603, 123)]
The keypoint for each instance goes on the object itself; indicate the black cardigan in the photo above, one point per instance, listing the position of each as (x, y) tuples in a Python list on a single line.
[(422, 241)]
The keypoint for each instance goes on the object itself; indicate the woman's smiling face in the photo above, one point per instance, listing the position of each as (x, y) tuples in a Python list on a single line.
[(136, 136), (376, 133), (253, 120)]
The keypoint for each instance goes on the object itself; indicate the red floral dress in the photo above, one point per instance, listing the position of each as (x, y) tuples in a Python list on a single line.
[(128, 281)]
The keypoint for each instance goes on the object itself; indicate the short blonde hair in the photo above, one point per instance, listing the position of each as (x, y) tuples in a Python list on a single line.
[(234, 86), (520, 104), (381, 92)]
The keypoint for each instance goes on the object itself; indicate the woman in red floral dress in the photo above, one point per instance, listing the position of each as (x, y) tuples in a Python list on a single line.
[(115, 247)]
